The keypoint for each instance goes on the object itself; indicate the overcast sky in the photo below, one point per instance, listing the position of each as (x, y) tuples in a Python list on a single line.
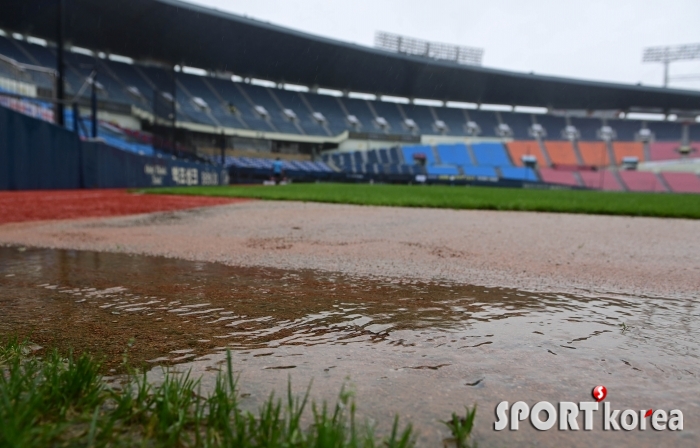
[(588, 39)]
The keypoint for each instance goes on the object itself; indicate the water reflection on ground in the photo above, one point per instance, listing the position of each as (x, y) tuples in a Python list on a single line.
[(418, 349)]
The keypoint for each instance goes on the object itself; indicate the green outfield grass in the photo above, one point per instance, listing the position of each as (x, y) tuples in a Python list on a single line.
[(485, 198)]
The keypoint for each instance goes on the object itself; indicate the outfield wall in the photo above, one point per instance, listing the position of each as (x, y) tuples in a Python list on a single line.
[(35, 154)]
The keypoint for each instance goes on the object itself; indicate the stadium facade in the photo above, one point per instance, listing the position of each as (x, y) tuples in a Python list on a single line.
[(217, 81)]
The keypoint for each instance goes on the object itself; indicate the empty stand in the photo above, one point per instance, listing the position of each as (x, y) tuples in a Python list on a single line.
[(669, 150), (519, 123), (260, 96), (600, 180), (594, 153), (238, 105), (641, 181), (410, 151), (552, 124), (486, 120), (628, 149), (454, 154), (518, 149), (331, 110), (587, 127), (553, 176), (561, 153), (361, 111), (626, 130), (666, 130), (480, 171), (442, 170), (455, 119), (694, 132), (295, 102), (390, 112), (519, 173), (421, 115), (490, 154), (682, 182)]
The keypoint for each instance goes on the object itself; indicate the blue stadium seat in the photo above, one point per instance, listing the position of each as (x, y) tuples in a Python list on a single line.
[(454, 154), (518, 173), (409, 151), (442, 170), (480, 171), (491, 154)]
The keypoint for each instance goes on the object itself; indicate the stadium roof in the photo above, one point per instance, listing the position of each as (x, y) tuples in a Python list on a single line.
[(174, 32)]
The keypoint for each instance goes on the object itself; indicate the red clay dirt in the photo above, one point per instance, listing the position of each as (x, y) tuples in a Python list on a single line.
[(41, 205)]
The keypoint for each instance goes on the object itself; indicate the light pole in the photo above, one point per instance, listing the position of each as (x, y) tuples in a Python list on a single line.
[(669, 54)]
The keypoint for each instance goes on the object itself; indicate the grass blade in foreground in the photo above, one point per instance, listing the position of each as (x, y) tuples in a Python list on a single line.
[(484, 198), (55, 401)]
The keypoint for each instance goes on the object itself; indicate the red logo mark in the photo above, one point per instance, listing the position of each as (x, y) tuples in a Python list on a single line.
[(649, 412), (599, 393)]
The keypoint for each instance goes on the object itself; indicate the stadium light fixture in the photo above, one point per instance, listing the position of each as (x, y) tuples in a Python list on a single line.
[(434, 50), (669, 54)]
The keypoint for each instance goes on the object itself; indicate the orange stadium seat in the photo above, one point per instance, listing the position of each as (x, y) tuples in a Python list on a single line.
[(594, 153), (628, 149), (561, 153), (519, 148)]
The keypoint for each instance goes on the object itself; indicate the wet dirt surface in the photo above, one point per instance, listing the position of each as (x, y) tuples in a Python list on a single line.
[(38, 205), (419, 349)]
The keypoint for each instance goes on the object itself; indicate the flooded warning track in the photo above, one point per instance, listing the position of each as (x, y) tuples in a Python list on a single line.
[(422, 350)]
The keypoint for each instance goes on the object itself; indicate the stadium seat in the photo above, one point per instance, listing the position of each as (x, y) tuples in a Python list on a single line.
[(490, 154), (442, 170), (666, 130), (361, 111), (454, 154), (594, 153), (682, 182), (390, 112), (641, 181), (628, 149), (694, 132), (519, 173), (480, 171), (410, 151), (587, 128), (553, 176), (453, 118), (518, 149), (600, 180), (561, 153), (486, 120), (669, 150), (422, 116), (626, 130), (552, 125), (519, 123)]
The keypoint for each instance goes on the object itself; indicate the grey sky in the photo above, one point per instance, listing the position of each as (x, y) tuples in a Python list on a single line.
[(588, 39)]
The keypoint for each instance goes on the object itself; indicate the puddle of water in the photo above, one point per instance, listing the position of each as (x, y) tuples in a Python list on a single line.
[(418, 349)]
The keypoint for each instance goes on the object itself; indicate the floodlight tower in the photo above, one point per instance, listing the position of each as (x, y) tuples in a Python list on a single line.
[(667, 54)]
